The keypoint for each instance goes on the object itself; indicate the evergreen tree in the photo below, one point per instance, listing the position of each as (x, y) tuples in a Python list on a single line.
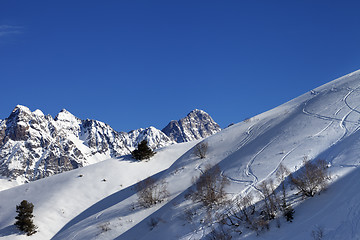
[(24, 219), (289, 213), (143, 151)]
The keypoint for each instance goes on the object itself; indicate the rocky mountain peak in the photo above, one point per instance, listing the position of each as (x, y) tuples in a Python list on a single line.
[(21, 108), (197, 124), (38, 113), (16, 126), (19, 113), (197, 111), (198, 115), (34, 146), (65, 116), (152, 135), (65, 121)]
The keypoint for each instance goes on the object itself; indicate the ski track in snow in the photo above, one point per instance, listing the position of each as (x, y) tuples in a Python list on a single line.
[(323, 117), (248, 171), (346, 98), (342, 123), (250, 135), (282, 159), (343, 120)]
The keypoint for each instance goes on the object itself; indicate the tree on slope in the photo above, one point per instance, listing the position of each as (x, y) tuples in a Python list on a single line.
[(281, 174), (24, 219), (143, 151), (210, 187), (151, 192), (201, 149), (311, 178)]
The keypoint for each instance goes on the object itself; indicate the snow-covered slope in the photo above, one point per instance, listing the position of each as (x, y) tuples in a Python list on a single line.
[(78, 194), (323, 123)]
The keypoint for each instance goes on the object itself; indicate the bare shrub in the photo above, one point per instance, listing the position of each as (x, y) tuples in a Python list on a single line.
[(281, 174), (104, 227), (270, 198), (201, 149), (246, 208), (153, 222), (317, 233), (311, 178), (210, 187), (241, 213), (150, 192), (219, 234), (189, 215), (260, 224)]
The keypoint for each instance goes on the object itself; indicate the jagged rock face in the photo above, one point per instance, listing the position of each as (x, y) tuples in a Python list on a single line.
[(101, 138), (197, 124), (16, 125), (33, 146), (154, 137)]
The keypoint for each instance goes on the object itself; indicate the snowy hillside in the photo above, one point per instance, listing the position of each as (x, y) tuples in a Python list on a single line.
[(82, 192), (321, 124)]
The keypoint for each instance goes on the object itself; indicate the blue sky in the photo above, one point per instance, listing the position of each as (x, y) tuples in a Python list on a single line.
[(134, 64)]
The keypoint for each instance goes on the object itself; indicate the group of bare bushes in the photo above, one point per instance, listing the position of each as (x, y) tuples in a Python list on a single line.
[(151, 192), (209, 187), (312, 178), (246, 211), (243, 212), (309, 180)]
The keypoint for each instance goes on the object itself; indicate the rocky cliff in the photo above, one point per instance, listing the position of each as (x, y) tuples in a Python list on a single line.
[(197, 124), (33, 145)]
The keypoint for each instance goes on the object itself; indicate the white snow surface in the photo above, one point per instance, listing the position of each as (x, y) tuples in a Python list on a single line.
[(323, 123), (64, 199)]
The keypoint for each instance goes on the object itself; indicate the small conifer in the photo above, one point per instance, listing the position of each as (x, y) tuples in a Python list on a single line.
[(24, 219), (289, 213), (143, 151)]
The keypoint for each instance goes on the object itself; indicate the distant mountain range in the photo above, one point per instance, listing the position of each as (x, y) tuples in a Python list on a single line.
[(34, 145)]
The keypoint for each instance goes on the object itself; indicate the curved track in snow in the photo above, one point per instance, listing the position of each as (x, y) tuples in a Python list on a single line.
[(342, 123), (248, 171)]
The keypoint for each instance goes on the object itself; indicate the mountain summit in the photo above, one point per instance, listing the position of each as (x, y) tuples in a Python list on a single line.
[(197, 124), (34, 146)]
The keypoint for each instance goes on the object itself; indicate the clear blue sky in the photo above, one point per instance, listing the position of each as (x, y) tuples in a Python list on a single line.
[(134, 64)]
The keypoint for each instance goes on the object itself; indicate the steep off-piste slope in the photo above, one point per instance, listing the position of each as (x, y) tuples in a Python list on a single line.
[(321, 124)]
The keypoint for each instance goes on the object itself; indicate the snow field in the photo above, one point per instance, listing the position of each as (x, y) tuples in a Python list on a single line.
[(60, 198)]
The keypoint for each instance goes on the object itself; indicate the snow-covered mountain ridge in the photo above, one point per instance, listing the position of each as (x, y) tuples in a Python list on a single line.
[(33, 146)]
